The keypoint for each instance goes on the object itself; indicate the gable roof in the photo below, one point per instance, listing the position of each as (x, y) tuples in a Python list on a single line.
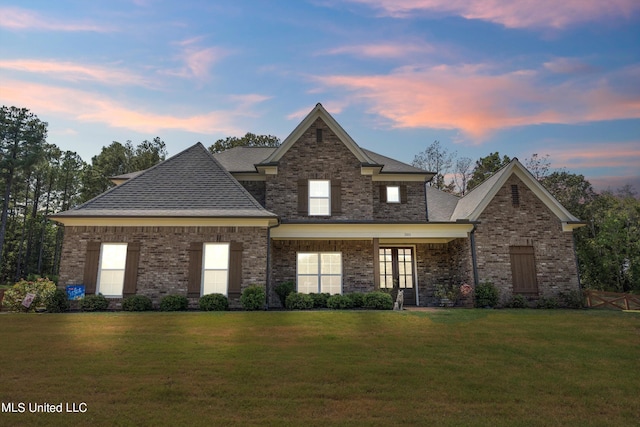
[(319, 112), (190, 184), (445, 207)]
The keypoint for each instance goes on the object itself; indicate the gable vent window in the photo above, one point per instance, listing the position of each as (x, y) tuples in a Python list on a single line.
[(318, 135), (515, 196)]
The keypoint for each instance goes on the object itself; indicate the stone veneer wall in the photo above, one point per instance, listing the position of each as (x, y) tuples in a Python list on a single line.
[(532, 224), (414, 210), (164, 255), (329, 159)]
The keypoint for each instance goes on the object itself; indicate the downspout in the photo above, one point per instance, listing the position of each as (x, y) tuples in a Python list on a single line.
[(426, 203), (474, 258), (268, 283)]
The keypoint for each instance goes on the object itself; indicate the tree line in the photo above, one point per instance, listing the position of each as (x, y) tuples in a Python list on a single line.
[(38, 179)]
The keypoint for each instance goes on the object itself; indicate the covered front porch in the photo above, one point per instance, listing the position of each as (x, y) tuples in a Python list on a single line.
[(356, 257)]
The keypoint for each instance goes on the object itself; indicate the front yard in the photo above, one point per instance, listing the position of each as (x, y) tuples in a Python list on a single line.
[(443, 367)]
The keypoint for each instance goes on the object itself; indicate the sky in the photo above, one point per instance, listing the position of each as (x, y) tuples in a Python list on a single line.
[(514, 76)]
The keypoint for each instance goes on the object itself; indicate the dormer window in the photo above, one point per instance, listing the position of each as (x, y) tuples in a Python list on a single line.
[(393, 194), (319, 197)]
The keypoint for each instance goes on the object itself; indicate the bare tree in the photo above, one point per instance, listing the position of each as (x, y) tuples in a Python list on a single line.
[(438, 160)]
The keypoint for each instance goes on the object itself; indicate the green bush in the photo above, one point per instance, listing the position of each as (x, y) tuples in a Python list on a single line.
[(137, 303), (283, 290), (320, 300), (43, 289), (547, 302), (356, 298), (518, 301), (298, 301), (94, 303), (253, 298), (174, 303), (58, 302), (339, 302), (378, 300), (487, 295), (214, 302), (572, 299)]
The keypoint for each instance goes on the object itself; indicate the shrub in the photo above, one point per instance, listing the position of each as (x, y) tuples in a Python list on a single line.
[(214, 302), (58, 302), (253, 298), (518, 301), (137, 303), (487, 295), (320, 300), (283, 290), (572, 299), (547, 302), (356, 298), (174, 303), (378, 300), (298, 301), (43, 289), (94, 303), (339, 302)]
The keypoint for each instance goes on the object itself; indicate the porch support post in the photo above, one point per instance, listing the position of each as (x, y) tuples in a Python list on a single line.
[(474, 260), (376, 262)]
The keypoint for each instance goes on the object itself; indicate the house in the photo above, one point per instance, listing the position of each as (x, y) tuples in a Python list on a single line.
[(320, 211)]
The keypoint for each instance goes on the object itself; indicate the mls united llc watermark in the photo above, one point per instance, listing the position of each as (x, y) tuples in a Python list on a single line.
[(45, 408)]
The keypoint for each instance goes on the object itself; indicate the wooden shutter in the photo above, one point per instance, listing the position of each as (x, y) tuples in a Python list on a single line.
[(376, 262), (303, 197), (523, 270), (235, 270), (383, 194), (195, 270), (91, 262), (336, 197), (131, 269), (403, 194)]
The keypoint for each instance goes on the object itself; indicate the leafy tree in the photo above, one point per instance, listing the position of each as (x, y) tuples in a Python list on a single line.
[(573, 191), (435, 158), (249, 140), (485, 167)]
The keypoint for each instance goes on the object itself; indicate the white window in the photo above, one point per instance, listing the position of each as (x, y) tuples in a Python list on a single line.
[(319, 197), (113, 257), (393, 194), (320, 272), (215, 266)]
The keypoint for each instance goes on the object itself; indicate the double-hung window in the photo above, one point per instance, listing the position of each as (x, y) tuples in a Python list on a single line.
[(215, 266), (393, 194), (319, 272), (113, 259), (319, 197)]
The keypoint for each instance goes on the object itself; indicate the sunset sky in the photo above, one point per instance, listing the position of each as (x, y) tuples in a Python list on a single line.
[(515, 76)]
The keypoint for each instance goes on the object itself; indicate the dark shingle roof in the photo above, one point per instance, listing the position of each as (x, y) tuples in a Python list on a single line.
[(243, 159), (189, 184)]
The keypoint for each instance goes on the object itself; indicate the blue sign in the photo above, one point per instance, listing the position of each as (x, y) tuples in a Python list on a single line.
[(75, 292)]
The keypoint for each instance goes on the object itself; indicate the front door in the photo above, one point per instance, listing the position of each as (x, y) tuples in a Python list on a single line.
[(396, 271)]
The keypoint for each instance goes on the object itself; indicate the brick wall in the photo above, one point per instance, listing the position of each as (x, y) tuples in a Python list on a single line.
[(531, 224), (256, 189), (413, 210), (164, 257)]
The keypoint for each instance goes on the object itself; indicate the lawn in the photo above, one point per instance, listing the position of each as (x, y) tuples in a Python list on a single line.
[(447, 367)]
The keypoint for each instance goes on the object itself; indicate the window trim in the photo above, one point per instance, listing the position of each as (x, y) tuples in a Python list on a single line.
[(205, 269), (327, 198), (101, 269), (319, 274)]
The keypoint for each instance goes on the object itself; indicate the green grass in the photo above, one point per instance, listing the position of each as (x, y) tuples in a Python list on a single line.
[(449, 367)]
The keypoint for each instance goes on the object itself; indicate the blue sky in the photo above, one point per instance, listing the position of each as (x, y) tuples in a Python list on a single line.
[(518, 77)]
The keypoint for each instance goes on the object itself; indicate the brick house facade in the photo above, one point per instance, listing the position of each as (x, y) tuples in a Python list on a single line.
[(319, 211)]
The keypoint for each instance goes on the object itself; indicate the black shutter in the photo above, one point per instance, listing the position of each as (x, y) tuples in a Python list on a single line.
[(91, 262), (336, 197), (303, 197), (195, 270)]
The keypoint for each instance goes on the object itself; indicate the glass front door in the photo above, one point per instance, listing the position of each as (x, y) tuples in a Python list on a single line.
[(396, 272)]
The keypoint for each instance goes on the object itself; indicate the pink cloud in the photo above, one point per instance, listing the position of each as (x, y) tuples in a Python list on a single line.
[(621, 155), (76, 72), (513, 13), (381, 50), (478, 100), (89, 107), (197, 60), (22, 19)]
